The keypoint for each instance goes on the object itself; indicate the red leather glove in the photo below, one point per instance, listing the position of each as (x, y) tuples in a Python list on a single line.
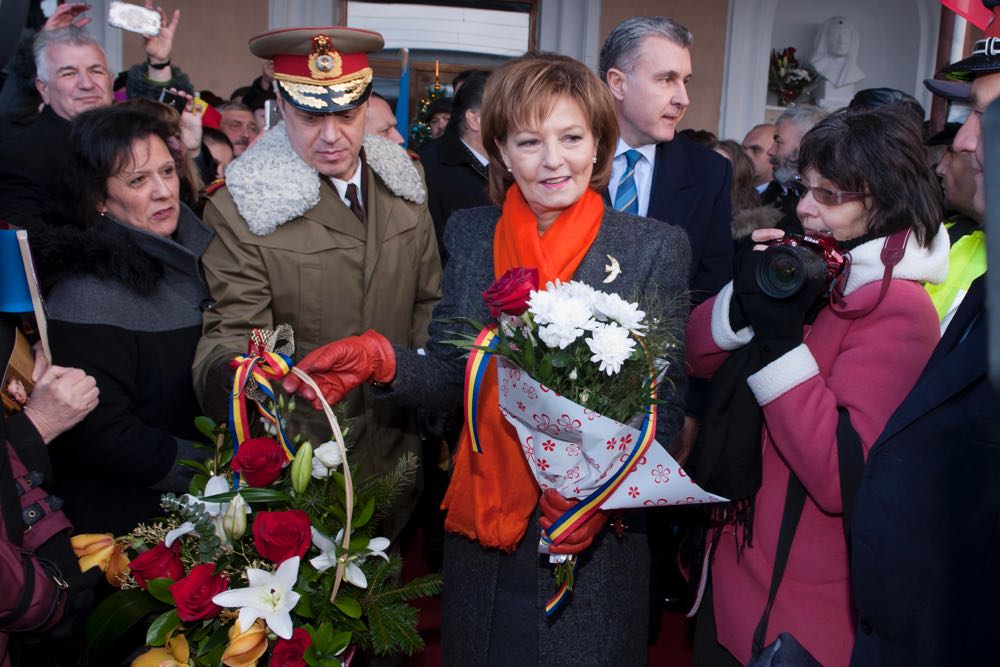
[(554, 506), (341, 366)]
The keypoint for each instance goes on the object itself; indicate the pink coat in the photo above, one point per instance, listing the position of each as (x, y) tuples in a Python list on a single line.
[(867, 366)]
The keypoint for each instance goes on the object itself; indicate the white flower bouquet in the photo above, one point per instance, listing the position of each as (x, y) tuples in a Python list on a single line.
[(578, 373)]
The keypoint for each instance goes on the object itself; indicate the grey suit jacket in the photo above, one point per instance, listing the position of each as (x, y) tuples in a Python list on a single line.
[(654, 258)]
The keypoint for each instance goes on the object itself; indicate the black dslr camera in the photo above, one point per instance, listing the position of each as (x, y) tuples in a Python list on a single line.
[(795, 261)]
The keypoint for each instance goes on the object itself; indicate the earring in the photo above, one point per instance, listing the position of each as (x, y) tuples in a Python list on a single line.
[(509, 170), (595, 159)]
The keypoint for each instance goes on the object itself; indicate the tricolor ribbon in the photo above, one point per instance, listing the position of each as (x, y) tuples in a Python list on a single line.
[(556, 600), (263, 368), (475, 369)]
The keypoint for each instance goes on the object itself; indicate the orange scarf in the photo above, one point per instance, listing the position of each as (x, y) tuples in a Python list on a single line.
[(492, 495)]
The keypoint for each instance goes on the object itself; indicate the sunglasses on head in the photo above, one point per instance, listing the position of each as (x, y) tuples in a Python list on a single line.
[(826, 196)]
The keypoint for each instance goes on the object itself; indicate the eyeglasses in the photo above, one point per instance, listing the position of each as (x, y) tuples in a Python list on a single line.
[(826, 196)]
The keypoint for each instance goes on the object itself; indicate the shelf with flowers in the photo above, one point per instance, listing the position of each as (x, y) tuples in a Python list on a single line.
[(270, 558), (788, 78)]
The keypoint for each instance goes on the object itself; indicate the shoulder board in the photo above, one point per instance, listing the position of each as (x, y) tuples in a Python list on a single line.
[(214, 185)]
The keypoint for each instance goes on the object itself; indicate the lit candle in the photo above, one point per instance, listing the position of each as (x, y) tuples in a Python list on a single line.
[(435, 69)]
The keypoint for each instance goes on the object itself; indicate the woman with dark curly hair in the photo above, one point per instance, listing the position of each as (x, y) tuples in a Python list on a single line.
[(125, 295)]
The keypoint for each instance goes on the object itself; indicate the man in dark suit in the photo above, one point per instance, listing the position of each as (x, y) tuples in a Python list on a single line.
[(455, 166), (926, 519), (646, 63)]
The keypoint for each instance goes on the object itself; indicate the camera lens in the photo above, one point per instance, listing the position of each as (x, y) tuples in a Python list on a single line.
[(784, 270)]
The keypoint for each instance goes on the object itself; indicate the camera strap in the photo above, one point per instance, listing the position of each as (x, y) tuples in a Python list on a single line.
[(892, 254)]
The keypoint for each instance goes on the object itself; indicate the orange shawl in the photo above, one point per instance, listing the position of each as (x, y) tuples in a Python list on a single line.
[(492, 495)]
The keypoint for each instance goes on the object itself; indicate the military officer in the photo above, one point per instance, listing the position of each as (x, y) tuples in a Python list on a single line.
[(326, 229)]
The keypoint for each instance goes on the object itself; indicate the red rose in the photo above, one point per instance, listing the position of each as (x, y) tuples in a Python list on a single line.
[(259, 460), (193, 594), (290, 652), (509, 293), (159, 562), (281, 535)]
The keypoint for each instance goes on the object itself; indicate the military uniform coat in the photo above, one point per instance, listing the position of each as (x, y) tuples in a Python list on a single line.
[(289, 251)]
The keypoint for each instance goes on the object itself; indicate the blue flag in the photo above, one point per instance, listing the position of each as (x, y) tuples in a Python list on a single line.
[(403, 101), (14, 294)]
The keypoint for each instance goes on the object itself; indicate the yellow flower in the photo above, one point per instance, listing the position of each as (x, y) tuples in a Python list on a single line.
[(93, 550), (174, 654), (245, 648), (117, 566)]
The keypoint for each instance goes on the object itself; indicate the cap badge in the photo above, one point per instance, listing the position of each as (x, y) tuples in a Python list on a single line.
[(324, 62)]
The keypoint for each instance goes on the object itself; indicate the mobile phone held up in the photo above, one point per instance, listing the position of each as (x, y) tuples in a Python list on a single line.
[(134, 18), (178, 102)]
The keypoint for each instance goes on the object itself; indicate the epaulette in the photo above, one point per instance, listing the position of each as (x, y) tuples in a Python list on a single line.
[(214, 185), (413, 155)]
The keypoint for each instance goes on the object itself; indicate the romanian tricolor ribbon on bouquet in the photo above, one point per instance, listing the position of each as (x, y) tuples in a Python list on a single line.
[(262, 368), (475, 369)]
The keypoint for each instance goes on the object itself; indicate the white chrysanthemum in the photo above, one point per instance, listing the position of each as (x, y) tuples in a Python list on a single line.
[(578, 290), (541, 303), (611, 346), (617, 309)]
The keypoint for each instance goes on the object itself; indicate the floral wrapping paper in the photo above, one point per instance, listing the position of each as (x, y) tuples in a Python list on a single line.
[(574, 450)]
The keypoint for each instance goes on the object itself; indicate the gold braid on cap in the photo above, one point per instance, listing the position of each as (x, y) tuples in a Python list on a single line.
[(324, 62), (306, 92)]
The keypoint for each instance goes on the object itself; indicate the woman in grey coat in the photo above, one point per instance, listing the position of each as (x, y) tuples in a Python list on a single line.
[(550, 130)]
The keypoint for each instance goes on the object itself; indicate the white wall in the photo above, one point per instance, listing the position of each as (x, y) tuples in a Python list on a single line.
[(898, 47), (890, 37)]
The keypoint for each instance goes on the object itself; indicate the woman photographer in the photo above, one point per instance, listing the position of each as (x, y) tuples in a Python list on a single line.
[(125, 296), (549, 128), (800, 373)]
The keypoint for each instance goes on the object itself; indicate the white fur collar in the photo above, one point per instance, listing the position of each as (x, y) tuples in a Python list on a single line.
[(272, 185), (921, 264)]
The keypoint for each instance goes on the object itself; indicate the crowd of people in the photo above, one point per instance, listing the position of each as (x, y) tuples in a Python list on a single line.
[(848, 418)]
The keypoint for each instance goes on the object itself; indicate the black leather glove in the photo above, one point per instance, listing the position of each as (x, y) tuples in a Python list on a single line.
[(777, 323)]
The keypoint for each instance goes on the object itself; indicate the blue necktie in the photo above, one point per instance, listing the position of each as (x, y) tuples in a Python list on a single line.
[(627, 196)]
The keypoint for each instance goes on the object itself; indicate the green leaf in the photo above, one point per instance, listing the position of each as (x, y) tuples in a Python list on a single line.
[(219, 638), (349, 606), (359, 542), (161, 627), (362, 518), (340, 642), (323, 638), (250, 495), (197, 485), (205, 426), (160, 589), (115, 615), (196, 465), (304, 608)]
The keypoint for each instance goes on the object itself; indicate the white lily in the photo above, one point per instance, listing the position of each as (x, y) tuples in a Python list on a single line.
[(269, 596), (328, 556), (213, 487)]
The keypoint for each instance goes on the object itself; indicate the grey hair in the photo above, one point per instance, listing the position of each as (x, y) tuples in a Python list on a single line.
[(622, 45), (234, 106), (804, 116), (71, 35)]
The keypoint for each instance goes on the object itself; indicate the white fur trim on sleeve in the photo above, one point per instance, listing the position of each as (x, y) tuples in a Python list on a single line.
[(783, 374), (722, 330)]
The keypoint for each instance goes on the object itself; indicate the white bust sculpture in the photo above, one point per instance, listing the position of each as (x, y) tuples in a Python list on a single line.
[(836, 53)]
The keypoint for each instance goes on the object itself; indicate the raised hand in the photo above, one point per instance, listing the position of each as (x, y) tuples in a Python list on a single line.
[(66, 15), (158, 48)]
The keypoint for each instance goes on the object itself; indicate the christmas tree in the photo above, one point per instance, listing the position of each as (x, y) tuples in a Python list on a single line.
[(420, 131)]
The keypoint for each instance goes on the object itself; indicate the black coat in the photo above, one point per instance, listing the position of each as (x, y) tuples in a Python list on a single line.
[(455, 180), (691, 189), (31, 160), (926, 522), (128, 312)]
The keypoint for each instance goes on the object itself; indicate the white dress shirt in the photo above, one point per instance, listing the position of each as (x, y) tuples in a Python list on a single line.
[(643, 173), (341, 186), (483, 160)]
